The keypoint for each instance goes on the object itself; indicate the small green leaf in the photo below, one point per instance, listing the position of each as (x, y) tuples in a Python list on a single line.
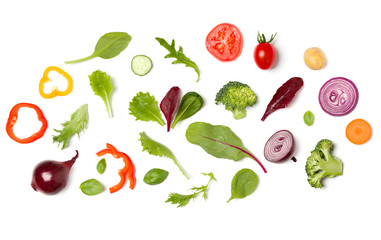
[(91, 187), (244, 183), (155, 176), (309, 118), (101, 85), (101, 166), (179, 55), (108, 46), (145, 108), (78, 123), (190, 104)]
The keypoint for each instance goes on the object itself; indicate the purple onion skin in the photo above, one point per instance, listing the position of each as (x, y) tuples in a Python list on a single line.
[(50, 176)]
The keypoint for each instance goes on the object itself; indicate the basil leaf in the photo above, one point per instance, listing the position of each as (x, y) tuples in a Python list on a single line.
[(309, 118), (155, 176), (190, 104), (91, 187), (101, 166), (179, 55), (244, 183), (108, 46)]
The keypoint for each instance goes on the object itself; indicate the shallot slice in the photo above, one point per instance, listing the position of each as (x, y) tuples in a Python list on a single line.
[(279, 146)]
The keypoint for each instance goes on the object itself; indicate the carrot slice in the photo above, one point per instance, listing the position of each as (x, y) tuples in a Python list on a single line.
[(358, 131)]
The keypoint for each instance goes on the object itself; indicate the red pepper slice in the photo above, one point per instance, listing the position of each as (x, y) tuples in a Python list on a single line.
[(13, 115), (128, 171)]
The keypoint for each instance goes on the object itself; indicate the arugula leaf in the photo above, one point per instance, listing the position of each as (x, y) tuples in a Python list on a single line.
[(179, 55), (100, 82), (108, 46), (182, 200), (78, 122), (158, 149), (145, 108)]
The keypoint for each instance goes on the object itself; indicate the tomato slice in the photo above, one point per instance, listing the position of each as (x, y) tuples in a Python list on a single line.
[(225, 42)]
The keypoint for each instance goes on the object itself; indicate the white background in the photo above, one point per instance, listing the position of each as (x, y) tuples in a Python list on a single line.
[(38, 34)]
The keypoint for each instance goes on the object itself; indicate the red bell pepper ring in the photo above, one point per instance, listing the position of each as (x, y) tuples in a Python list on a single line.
[(12, 119), (127, 172)]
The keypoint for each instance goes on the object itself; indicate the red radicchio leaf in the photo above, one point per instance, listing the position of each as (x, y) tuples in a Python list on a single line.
[(170, 104), (283, 95)]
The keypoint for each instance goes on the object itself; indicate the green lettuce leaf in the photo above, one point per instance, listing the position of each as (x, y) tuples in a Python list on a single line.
[(100, 82), (78, 122), (145, 108)]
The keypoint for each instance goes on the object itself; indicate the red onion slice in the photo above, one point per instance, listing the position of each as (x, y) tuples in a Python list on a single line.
[(279, 146), (338, 96)]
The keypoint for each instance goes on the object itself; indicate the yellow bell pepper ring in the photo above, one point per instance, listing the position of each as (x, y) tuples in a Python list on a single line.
[(55, 92)]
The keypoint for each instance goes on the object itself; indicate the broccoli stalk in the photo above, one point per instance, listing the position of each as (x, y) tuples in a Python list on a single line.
[(321, 163), (236, 97)]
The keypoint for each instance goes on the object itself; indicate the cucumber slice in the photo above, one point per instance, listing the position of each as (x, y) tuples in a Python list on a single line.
[(141, 65)]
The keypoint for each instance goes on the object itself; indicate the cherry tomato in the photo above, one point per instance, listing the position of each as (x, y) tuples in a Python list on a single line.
[(225, 42), (264, 52)]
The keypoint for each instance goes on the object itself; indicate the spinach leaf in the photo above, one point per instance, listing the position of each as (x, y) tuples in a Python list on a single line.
[(101, 166), (155, 176), (219, 141), (244, 183), (145, 108), (91, 187), (78, 123), (100, 82), (158, 149), (108, 46), (309, 118), (190, 104), (179, 55)]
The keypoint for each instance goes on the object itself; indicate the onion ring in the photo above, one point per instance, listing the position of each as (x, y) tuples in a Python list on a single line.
[(338, 96)]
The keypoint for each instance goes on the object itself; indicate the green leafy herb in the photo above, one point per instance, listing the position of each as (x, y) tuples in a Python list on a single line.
[(244, 183), (108, 46), (100, 82), (155, 176), (190, 104), (145, 108), (91, 187), (158, 149), (78, 122), (219, 141), (179, 55), (182, 200), (101, 166), (309, 118)]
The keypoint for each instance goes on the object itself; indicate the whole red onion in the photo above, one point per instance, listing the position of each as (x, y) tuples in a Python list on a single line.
[(50, 176)]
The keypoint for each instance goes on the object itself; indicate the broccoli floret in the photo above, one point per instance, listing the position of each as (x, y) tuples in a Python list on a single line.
[(236, 97), (322, 164)]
